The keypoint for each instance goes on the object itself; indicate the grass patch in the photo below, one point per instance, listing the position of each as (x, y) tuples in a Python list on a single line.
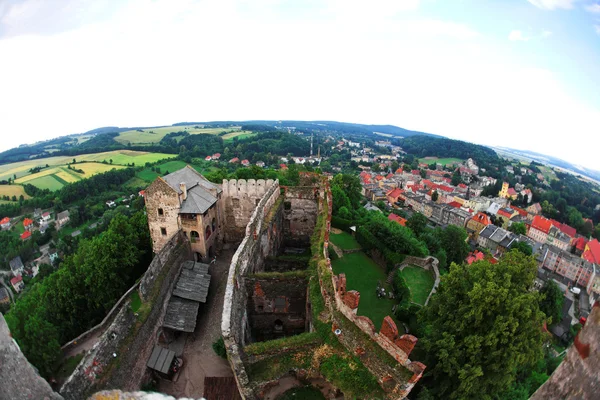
[(281, 275), (171, 166), (136, 302), (147, 175), (344, 241), (362, 274), (419, 281), (283, 344), (240, 135), (46, 182), (68, 366), (277, 365), (302, 393)]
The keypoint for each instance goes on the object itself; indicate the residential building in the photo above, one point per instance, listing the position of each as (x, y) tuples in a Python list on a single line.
[(540, 228), (184, 200), (5, 223), (37, 213), (62, 218), (559, 239), (208, 158), (16, 266), (25, 235), (477, 223), (578, 245), (4, 296), (497, 240), (577, 270), (216, 156), (234, 160), (394, 195), (535, 209), (504, 191), (46, 216), (260, 164), (53, 255), (245, 163), (17, 283)]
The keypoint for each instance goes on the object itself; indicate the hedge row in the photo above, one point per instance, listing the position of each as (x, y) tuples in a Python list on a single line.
[(370, 243)]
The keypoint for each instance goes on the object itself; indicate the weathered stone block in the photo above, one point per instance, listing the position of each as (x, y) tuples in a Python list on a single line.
[(341, 284)]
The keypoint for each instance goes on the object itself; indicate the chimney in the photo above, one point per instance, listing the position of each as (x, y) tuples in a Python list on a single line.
[(183, 190)]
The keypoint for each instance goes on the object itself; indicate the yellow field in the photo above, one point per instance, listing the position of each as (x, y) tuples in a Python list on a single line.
[(66, 176), (119, 157), (155, 135), (69, 176), (13, 190)]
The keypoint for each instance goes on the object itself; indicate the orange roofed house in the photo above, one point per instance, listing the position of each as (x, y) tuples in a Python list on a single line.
[(27, 224), (394, 195), (477, 223), (540, 227)]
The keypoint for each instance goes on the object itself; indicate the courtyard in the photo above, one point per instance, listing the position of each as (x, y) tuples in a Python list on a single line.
[(419, 281)]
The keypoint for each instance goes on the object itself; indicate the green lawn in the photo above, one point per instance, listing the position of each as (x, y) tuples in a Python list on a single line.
[(344, 241), (362, 274), (420, 283), (240, 135), (171, 166)]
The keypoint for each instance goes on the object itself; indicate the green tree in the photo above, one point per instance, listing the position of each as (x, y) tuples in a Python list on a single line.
[(423, 173), (552, 301), (523, 247), (395, 166), (435, 196), (518, 228), (417, 223), (375, 167), (350, 184), (454, 242), (456, 178), (483, 323)]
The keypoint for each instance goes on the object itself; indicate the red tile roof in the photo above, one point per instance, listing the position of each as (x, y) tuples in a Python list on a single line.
[(482, 218), (444, 188), (521, 212), (379, 178), (580, 243), (46, 214), (234, 160), (216, 155), (399, 171), (25, 235), (462, 185), (208, 158), (397, 218), (142, 193), (283, 166), (541, 224), (567, 230), (415, 172), (592, 252), (427, 183), (505, 213), (5, 221), (27, 222), (16, 280), (395, 192), (245, 162), (455, 204), (512, 192), (389, 176)]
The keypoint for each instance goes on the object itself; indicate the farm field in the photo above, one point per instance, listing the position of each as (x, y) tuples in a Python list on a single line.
[(147, 176), (362, 274), (55, 178), (419, 282), (120, 157), (155, 135), (240, 135), (13, 190), (443, 161)]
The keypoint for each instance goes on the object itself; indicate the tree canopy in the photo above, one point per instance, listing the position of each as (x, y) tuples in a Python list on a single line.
[(552, 301), (483, 323)]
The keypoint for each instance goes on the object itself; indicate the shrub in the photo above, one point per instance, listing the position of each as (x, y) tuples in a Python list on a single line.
[(406, 310), (219, 348), (341, 223), (400, 287)]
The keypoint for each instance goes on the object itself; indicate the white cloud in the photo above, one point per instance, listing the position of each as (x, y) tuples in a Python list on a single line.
[(593, 8), (160, 62), (517, 36), (597, 28), (552, 4), (546, 34)]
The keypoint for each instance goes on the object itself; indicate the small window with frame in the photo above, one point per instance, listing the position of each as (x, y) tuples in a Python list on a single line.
[(161, 212), (163, 231)]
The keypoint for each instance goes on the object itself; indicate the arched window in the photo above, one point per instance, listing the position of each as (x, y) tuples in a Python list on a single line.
[(207, 232), (194, 236), (214, 224)]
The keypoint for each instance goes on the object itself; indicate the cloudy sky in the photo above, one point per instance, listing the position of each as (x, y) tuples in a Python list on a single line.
[(515, 73)]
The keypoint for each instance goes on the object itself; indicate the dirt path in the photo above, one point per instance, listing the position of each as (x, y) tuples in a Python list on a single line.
[(200, 360), (84, 345)]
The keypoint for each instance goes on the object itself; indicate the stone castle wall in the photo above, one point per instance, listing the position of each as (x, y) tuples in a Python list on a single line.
[(240, 198), (132, 336), (159, 195), (262, 238), (300, 210)]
